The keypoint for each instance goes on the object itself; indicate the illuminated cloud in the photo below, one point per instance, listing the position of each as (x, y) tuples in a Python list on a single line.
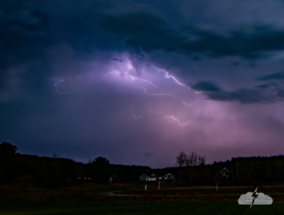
[(130, 81)]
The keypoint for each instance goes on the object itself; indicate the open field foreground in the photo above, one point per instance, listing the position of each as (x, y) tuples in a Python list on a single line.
[(118, 198), (133, 192), (228, 208)]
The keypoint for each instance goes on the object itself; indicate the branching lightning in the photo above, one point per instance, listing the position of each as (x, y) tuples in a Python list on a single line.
[(154, 94), (140, 79), (174, 78), (188, 105), (169, 76), (134, 77), (197, 92), (135, 117), (167, 94), (165, 116), (58, 81), (126, 72), (145, 90), (175, 119)]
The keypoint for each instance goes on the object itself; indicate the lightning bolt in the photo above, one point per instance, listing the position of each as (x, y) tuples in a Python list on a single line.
[(174, 78), (134, 77), (127, 73), (254, 195), (58, 81), (168, 117), (166, 94), (188, 105), (175, 119), (140, 79), (154, 94), (169, 76), (135, 117)]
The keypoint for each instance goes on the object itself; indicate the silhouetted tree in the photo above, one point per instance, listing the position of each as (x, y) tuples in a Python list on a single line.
[(181, 159), (201, 160), (189, 160), (7, 149), (100, 171), (101, 161), (192, 159), (9, 165)]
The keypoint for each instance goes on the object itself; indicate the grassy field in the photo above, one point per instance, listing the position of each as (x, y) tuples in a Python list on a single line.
[(226, 208), (133, 199)]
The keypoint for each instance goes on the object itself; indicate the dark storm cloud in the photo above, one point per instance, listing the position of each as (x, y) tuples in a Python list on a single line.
[(274, 76), (151, 32), (58, 93), (116, 59), (266, 93), (206, 86), (245, 96), (33, 25), (33, 30), (22, 37), (249, 42), (28, 30), (140, 30)]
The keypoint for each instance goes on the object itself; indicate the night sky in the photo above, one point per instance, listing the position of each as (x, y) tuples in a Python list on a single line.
[(138, 82)]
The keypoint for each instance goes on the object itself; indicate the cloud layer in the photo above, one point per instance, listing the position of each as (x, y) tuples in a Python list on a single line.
[(138, 82)]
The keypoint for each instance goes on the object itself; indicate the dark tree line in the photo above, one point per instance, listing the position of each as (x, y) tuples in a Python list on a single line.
[(241, 171), (52, 172), (39, 171)]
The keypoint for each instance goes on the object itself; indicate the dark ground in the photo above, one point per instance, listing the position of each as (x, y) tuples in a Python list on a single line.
[(228, 208), (131, 198)]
